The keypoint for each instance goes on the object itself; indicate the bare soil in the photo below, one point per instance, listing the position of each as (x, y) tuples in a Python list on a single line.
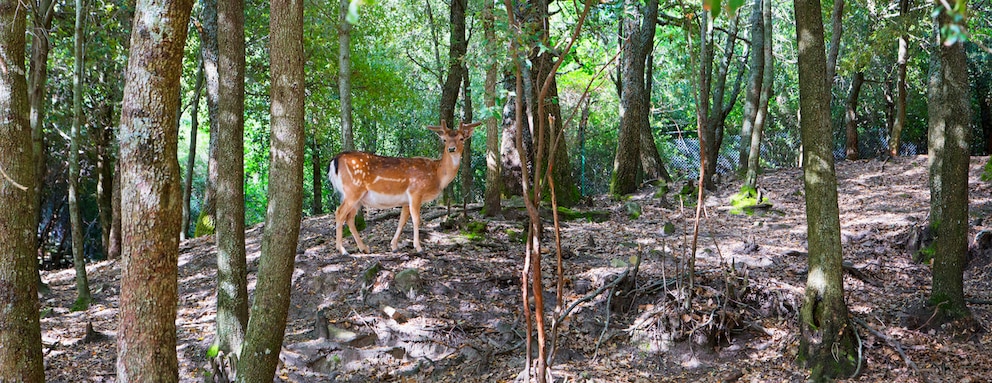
[(463, 322)]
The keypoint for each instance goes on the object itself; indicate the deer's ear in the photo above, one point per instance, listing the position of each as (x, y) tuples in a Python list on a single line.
[(469, 128)]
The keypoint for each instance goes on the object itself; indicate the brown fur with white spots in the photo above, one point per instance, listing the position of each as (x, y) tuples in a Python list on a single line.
[(365, 179)]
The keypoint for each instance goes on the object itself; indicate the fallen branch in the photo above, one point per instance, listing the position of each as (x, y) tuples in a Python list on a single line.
[(892, 342)]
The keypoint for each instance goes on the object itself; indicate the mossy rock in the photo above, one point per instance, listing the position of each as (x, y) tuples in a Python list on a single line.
[(747, 200), (475, 230), (407, 280), (359, 224)]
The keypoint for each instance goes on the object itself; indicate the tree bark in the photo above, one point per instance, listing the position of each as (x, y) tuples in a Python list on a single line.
[(317, 169), (753, 94), (706, 136), (191, 158), (494, 184), (761, 115), (344, 78), (458, 47), (150, 197), (985, 110), (208, 50), (266, 328), (512, 168), (651, 163), (634, 110), (44, 11), (21, 359), (716, 120), (851, 116), (949, 108), (466, 164), (837, 30), (114, 248), (901, 90), (104, 132), (78, 235), (232, 269), (827, 344)]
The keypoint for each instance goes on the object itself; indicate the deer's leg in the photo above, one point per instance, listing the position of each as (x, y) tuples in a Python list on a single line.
[(340, 215), (404, 214), (354, 230), (415, 214)]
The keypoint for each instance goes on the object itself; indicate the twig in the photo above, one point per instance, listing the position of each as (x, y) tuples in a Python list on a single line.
[(892, 342), (17, 185), (595, 293)]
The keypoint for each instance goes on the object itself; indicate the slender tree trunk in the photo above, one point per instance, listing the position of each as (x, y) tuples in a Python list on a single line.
[(716, 119), (114, 248), (851, 116), (901, 90), (194, 115), (459, 45), (634, 110), (827, 344), (767, 82), (104, 133), (44, 11), (512, 169), (466, 164), (706, 136), (837, 30), (21, 359), (317, 207), (266, 327), (494, 182), (949, 108), (150, 197), (232, 269), (208, 50), (344, 77), (753, 94), (651, 161), (78, 235)]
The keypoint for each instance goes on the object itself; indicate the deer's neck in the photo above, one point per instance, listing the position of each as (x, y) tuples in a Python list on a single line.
[(448, 166)]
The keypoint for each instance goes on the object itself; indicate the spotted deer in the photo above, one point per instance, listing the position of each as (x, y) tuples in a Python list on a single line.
[(365, 179)]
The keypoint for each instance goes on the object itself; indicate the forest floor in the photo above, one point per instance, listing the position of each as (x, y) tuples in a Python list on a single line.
[(464, 323)]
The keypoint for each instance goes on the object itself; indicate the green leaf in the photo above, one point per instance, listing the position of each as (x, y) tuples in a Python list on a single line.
[(213, 350), (733, 6), (352, 16)]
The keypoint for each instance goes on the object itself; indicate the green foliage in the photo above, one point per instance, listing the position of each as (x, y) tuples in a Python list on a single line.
[(214, 350), (633, 209), (987, 173), (744, 201), (475, 230), (204, 224)]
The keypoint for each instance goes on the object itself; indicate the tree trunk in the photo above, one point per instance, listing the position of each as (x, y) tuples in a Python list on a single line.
[(902, 92), (761, 115), (540, 107), (827, 344), (266, 328), (150, 196), (317, 207), (78, 235), (466, 164), (716, 119), (191, 158), (494, 184), (837, 30), (44, 11), (706, 136), (851, 116), (458, 46), (512, 169), (651, 163), (104, 132), (634, 111), (949, 108), (21, 359), (753, 94), (344, 77), (114, 248), (232, 270), (208, 50)]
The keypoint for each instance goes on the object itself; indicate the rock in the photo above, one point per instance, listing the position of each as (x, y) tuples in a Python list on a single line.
[(407, 280)]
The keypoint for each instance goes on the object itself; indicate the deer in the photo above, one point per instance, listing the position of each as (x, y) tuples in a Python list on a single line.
[(366, 179)]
